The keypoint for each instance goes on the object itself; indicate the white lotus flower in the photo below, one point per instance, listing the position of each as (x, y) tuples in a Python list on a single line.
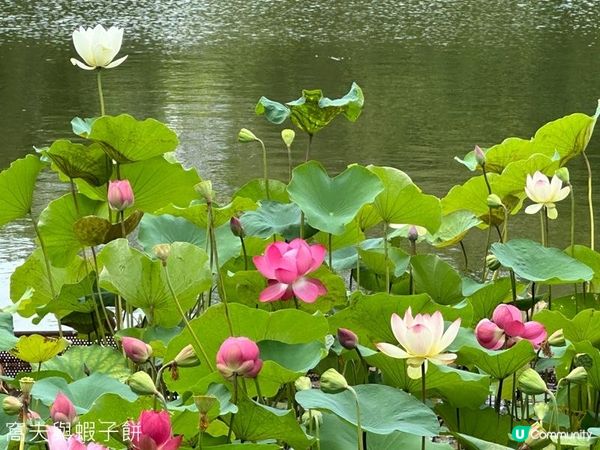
[(98, 47), (544, 192)]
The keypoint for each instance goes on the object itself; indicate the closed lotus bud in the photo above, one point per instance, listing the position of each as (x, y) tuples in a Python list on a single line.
[(303, 384), (11, 405), (557, 339), (187, 357), (120, 195), (288, 137), (63, 410), (493, 201), (479, 156), (492, 262), (236, 227), (136, 350), (577, 376), (333, 382), (413, 233), (347, 338), (204, 403), (204, 188), (26, 385), (141, 383), (530, 382), (312, 415), (245, 135), (162, 251), (563, 175)]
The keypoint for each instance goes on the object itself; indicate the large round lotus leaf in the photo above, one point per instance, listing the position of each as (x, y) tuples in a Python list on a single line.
[(498, 364), (329, 204), (37, 349), (383, 409), (89, 163), (534, 262), (17, 184), (126, 139), (434, 276), (453, 228), (273, 218), (79, 362), (401, 201)]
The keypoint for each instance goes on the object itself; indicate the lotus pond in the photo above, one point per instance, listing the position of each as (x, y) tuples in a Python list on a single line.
[(313, 312)]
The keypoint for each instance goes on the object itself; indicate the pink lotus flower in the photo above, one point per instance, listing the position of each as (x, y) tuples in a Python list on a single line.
[(507, 328), (239, 356), (57, 441), (286, 266), (120, 195), (423, 339), (153, 432), (63, 410), (136, 350)]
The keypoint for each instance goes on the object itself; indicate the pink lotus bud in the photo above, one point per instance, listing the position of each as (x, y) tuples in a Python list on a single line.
[(479, 156), (347, 338), (239, 356), (120, 195), (236, 227), (138, 351), (63, 410), (489, 335), (153, 432)]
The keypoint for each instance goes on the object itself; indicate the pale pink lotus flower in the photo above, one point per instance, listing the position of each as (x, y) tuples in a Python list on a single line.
[(507, 328), (57, 441), (544, 192), (136, 350), (98, 47), (422, 339), (120, 195), (63, 410), (286, 266), (239, 356), (153, 431)]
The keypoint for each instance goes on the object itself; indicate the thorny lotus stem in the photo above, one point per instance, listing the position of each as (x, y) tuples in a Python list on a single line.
[(185, 320), (385, 254), (590, 199), (423, 397), (234, 401), (100, 94), (308, 146), (359, 430), (265, 169)]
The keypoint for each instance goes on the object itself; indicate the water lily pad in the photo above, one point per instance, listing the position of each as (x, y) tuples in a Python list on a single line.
[(36, 349), (17, 184), (89, 163)]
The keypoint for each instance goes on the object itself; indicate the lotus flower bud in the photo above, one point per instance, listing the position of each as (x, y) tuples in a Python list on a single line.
[(187, 357), (492, 262), (141, 383), (530, 382), (303, 384), (162, 252), (577, 376), (236, 227), (26, 385), (413, 234), (312, 415), (245, 135), (137, 351), (204, 188), (120, 195), (563, 175), (333, 382), (493, 201), (347, 338), (11, 405), (479, 155), (288, 137), (239, 356), (63, 410), (557, 339)]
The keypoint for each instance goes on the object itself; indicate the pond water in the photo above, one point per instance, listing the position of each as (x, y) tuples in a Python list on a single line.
[(439, 76)]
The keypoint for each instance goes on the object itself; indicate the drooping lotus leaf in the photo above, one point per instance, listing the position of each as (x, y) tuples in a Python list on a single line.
[(383, 409), (36, 349), (546, 265), (312, 111), (17, 184), (329, 204), (126, 139), (590, 258), (89, 163), (582, 327), (498, 364), (401, 201), (453, 228), (273, 218), (82, 127), (435, 277), (79, 362), (94, 230)]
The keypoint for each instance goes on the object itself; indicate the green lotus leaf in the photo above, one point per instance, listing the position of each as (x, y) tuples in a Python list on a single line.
[(433, 276), (255, 191), (89, 163), (401, 201), (479, 422), (582, 327), (79, 362), (312, 111), (498, 364), (126, 139), (546, 265), (591, 259), (453, 228), (330, 204), (36, 349), (273, 218), (383, 409), (17, 184)]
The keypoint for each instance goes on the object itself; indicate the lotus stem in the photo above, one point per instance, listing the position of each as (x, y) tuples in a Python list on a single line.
[(309, 145), (499, 395), (590, 199), (359, 430), (385, 254), (265, 168), (100, 94), (423, 397)]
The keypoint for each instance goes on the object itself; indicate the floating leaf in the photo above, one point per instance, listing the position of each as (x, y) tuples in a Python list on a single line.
[(89, 163), (17, 184), (36, 349)]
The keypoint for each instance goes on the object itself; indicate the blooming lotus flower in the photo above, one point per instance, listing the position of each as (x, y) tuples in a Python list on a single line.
[(98, 47), (154, 432), (544, 192), (57, 441), (136, 350), (423, 339), (120, 195), (286, 266), (239, 356), (63, 410), (507, 328)]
